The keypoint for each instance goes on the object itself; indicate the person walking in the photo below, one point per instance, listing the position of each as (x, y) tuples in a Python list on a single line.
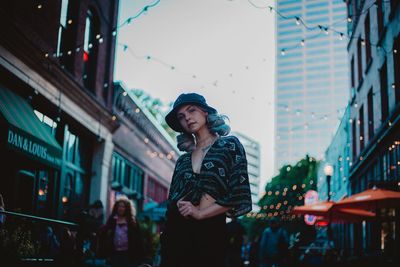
[(235, 239), (209, 183), (2, 208), (273, 245), (120, 239)]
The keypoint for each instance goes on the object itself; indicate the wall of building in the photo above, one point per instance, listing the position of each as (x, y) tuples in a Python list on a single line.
[(311, 78), (52, 78)]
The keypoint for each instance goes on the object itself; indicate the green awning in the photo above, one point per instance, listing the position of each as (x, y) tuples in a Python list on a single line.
[(24, 132)]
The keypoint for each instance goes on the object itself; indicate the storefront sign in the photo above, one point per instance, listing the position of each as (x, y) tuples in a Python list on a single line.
[(310, 197), (27, 144)]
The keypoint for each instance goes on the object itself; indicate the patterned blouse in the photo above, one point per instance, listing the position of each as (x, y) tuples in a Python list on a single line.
[(223, 176)]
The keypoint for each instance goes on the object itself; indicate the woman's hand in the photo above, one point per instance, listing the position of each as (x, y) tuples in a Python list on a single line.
[(186, 208)]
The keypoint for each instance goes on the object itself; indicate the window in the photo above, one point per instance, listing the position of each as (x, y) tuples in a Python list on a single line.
[(43, 193), (370, 114), (90, 48), (380, 16), (393, 6), (354, 140), (64, 40), (361, 123), (396, 63), (352, 72), (127, 174), (359, 61), (339, 172), (367, 38), (49, 123), (350, 13), (384, 92), (63, 26)]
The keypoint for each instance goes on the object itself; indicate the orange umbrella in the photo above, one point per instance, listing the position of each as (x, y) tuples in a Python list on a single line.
[(371, 199), (317, 209), (327, 213)]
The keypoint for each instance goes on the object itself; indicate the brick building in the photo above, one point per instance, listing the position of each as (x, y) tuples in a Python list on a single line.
[(56, 71), (374, 56)]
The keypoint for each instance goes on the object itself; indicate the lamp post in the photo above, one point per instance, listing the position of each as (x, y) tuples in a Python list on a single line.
[(328, 170)]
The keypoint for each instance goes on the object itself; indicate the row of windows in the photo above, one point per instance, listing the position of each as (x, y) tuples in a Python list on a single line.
[(287, 2), (290, 79), (289, 9), (319, 12), (316, 5), (319, 43), (317, 52), (358, 136), (290, 32), (316, 21), (288, 96), (285, 63), (127, 174), (66, 42), (287, 39), (294, 87)]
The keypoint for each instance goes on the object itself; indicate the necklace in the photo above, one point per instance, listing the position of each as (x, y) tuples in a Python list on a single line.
[(204, 149), (207, 147)]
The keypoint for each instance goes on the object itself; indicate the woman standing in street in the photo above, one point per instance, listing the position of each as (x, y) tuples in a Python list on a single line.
[(210, 182), (120, 239)]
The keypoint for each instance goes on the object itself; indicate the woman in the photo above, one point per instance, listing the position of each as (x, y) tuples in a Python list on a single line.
[(120, 238), (210, 182)]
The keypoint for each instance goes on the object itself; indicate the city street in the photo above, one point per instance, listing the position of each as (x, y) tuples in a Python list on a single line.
[(220, 133)]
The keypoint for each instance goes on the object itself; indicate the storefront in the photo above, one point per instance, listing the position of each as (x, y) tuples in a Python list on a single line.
[(379, 168), (127, 180), (31, 156)]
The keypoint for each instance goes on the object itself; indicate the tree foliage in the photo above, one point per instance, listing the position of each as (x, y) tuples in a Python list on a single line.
[(282, 193), (156, 107)]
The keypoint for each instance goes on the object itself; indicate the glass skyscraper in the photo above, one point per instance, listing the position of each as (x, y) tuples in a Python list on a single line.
[(311, 76)]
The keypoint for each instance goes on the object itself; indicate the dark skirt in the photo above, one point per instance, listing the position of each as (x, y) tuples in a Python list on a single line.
[(189, 242)]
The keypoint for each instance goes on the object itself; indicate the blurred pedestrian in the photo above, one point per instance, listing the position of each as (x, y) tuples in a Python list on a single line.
[(49, 244), (120, 239), (2, 208), (273, 245), (254, 252), (90, 220), (234, 244), (209, 182)]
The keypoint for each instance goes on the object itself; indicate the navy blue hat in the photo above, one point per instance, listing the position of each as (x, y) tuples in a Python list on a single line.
[(186, 99)]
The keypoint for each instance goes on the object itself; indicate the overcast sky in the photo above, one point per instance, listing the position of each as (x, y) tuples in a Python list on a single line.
[(223, 49)]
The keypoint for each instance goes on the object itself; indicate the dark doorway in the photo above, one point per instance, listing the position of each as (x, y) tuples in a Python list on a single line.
[(24, 191)]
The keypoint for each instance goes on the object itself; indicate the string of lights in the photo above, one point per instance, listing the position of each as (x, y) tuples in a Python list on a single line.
[(323, 29), (143, 11), (99, 37), (315, 117)]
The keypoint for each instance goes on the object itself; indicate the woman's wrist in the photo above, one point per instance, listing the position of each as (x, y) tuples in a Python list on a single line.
[(199, 214)]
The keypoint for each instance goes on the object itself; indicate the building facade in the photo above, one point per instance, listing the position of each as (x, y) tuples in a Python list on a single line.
[(252, 149), (144, 154), (56, 90), (337, 156), (311, 87), (374, 53)]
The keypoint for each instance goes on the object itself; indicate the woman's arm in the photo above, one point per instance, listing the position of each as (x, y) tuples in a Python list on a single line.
[(186, 208)]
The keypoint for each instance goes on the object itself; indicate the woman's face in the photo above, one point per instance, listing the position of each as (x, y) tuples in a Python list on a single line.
[(192, 118), (121, 209)]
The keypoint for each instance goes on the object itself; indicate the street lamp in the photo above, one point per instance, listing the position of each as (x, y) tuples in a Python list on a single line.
[(328, 170)]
